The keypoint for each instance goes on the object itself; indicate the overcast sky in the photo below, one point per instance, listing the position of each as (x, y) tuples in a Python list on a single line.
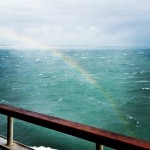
[(76, 22)]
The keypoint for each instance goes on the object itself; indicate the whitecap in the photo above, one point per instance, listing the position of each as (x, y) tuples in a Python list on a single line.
[(60, 99), (130, 117), (2, 100), (145, 88), (137, 122), (84, 57), (142, 71), (38, 59), (42, 148)]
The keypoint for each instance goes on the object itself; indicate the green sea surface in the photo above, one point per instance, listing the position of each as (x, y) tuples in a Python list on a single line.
[(108, 88)]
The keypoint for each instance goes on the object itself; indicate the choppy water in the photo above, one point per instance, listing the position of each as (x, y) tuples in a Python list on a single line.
[(107, 88)]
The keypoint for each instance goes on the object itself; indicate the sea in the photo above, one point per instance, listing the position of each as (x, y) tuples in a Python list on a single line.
[(104, 87)]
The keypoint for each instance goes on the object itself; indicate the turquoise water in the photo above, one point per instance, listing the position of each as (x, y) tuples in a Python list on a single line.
[(108, 88)]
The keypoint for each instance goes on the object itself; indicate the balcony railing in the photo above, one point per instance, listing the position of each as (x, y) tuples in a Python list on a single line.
[(98, 136)]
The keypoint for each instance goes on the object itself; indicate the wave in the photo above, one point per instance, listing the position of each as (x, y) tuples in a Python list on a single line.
[(142, 81), (3, 101), (136, 121), (145, 88), (42, 148)]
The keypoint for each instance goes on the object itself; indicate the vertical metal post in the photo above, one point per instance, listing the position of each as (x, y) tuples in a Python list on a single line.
[(99, 147), (9, 131)]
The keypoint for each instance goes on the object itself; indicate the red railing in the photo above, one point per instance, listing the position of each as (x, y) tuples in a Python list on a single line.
[(98, 136)]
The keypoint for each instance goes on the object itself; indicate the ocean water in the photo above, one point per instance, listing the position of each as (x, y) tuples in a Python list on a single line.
[(108, 88)]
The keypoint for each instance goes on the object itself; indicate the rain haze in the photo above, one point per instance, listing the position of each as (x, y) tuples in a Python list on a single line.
[(76, 22)]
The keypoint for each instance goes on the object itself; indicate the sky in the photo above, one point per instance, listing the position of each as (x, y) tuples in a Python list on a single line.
[(75, 22)]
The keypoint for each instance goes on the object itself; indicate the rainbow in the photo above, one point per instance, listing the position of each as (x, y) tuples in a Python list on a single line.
[(73, 64)]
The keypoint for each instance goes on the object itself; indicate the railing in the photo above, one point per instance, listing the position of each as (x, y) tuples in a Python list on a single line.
[(98, 136)]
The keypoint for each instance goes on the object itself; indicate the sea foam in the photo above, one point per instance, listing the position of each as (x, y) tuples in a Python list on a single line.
[(42, 148), (145, 88)]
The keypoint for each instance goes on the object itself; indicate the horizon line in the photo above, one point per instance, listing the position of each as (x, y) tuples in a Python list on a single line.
[(64, 45)]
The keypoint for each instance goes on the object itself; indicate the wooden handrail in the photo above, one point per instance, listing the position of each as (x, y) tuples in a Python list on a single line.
[(89, 133)]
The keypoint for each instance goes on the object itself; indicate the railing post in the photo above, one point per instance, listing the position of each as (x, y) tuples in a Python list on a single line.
[(9, 131), (99, 147)]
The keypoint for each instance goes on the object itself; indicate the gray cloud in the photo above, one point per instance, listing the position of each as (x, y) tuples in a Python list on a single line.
[(80, 22)]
